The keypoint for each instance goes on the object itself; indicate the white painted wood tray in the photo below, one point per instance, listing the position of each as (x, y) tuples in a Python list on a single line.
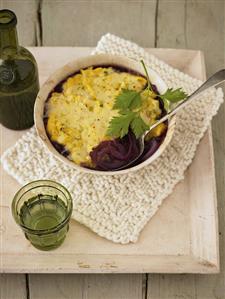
[(181, 238)]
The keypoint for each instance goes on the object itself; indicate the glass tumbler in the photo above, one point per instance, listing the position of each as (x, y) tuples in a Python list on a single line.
[(43, 209)]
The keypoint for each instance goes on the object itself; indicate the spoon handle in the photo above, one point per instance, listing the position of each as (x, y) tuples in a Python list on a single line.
[(214, 80)]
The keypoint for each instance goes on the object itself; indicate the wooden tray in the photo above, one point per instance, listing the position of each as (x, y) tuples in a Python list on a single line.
[(181, 238)]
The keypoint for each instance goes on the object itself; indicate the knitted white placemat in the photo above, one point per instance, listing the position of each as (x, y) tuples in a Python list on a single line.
[(118, 207)]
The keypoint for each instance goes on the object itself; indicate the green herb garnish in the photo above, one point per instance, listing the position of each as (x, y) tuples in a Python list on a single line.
[(119, 125), (129, 102), (149, 87), (173, 96), (138, 126)]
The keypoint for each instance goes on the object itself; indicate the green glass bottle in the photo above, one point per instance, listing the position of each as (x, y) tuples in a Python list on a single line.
[(19, 82)]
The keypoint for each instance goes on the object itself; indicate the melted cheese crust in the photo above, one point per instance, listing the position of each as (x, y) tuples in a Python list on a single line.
[(78, 117)]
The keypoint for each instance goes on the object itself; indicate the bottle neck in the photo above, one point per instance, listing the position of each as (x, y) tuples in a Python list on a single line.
[(8, 38)]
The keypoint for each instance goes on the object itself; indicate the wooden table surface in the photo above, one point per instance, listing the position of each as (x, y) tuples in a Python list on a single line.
[(193, 24)]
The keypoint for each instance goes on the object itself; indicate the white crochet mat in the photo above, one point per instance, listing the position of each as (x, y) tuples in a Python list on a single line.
[(118, 207)]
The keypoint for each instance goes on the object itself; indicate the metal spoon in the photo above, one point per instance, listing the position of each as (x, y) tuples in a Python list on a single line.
[(214, 80)]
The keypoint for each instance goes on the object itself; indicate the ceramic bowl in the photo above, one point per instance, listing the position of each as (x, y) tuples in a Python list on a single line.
[(73, 67)]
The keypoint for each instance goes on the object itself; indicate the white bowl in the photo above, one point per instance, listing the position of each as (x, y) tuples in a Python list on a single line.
[(73, 67)]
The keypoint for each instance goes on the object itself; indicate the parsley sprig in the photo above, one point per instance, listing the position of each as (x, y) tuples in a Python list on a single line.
[(149, 86), (129, 102), (173, 96)]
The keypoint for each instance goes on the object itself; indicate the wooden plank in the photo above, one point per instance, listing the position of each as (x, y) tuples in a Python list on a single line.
[(204, 30), (211, 286), (188, 30), (186, 286), (86, 286), (170, 24), (13, 286), (185, 26), (27, 19), (84, 22), (171, 287)]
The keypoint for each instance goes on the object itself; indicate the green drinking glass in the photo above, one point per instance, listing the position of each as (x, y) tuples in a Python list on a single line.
[(43, 209)]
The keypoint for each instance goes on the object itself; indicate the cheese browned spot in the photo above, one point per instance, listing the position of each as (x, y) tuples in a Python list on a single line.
[(78, 117)]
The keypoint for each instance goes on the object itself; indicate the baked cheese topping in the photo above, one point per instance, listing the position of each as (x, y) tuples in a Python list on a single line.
[(78, 117)]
